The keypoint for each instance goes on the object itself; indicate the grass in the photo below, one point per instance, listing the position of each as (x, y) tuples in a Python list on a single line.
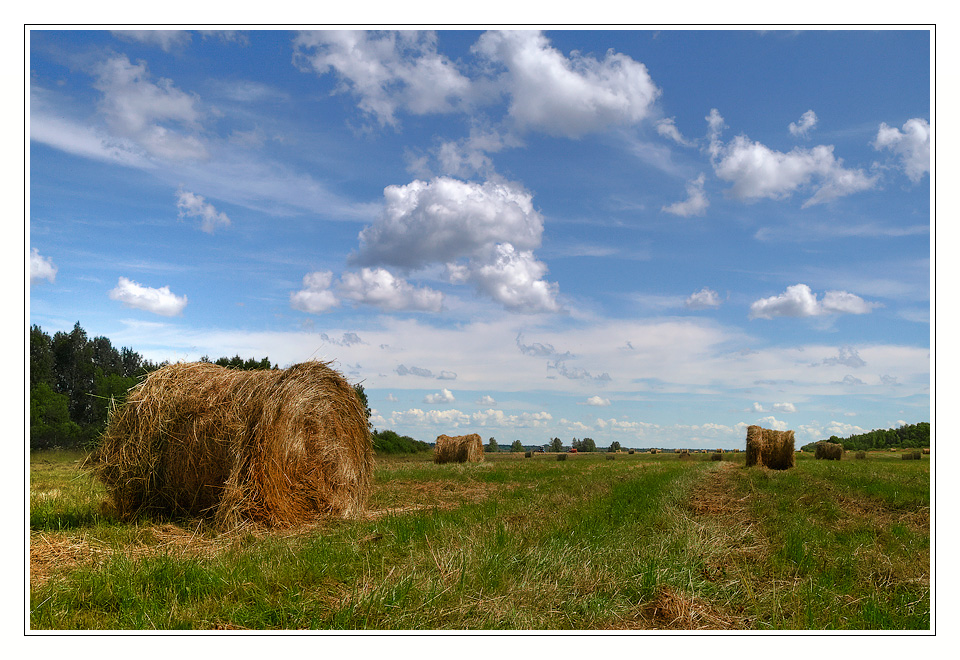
[(642, 542)]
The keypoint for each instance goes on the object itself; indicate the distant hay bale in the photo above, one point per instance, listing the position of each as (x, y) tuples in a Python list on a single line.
[(561, 457), (773, 449), (684, 454), (458, 449), (271, 447), (926, 450), (911, 455), (718, 456), (630, 451), (654, 451), (830, 451), (611, 457), (528, 454), (860, 455)]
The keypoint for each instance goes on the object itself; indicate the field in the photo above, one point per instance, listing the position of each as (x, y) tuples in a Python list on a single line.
[(640, 542)]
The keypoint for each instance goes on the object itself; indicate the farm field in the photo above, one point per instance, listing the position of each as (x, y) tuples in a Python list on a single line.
[(644, 542)]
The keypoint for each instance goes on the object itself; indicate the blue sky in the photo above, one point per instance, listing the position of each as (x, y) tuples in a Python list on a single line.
[(653, 237)]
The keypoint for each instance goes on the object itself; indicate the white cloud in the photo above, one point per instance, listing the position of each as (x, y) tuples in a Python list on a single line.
[(191, 205), (772, 422), (443, 396), (758, 172), (564, 96), (159, 301), (444, 219), (167, 40), (486, 400), (315, 297), (380, 288), (705, 298), (799, 301), (514, 278), (668, 129), (912, 145), (847, 356), (785, 407), (808, 120), (41, 268), (483, 234), (145, 112), (696, 202), (388, 71), (597, 401)]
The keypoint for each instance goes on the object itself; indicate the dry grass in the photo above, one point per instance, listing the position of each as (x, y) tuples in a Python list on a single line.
[(274, 448)]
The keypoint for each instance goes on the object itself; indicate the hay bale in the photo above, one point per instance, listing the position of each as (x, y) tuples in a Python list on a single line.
[(926, 450), (274, 447), (654, 451), (561, 457), (684, 454), (860, 455), (528, 454), (458, 449), (718, 456), (830, 451), (773, 449), (911, 455), (630, 451), (611, 457)]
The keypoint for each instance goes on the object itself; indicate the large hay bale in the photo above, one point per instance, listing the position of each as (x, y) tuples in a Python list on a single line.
[(830, 451), (654, 451), (272, 447), (860, 454), (717, 456), (773, 449), (458, 449)]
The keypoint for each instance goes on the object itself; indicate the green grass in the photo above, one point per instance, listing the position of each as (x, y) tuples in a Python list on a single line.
[(510, 544)]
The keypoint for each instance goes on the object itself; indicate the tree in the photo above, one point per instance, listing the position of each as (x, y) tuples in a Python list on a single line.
[(492, 446), (358, 388), (516, 446), (50, 423), (576, 444), (556, 445), (587, 444), (614, 446)]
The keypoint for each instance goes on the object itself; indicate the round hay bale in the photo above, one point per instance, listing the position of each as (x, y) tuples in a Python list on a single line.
[(773, 449), (561, 457), (528, 454), (716, 457), (273, 447), (860, 455), (458, 449), (830, 451)]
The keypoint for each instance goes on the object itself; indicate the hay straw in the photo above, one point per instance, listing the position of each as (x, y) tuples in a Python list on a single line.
[(773, 449), (830, 451), (273, 447), (458, 449)]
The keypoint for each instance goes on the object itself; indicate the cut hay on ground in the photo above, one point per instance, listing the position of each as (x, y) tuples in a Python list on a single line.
[(458, 449), (830, 451), (273, 447), (773, 449)]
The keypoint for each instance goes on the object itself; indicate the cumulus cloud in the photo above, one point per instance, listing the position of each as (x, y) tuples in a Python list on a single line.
[(380, 288), (759, 172), (785, 407), (808, 120), (799, 301), (911, 145), (404, 370), (315, 297), (536, 349), (191, 205), (705, 298), (41, 268), (442, 220), (453, 418), (597, 401), (386, 71), (159, 301), (567, 96), (486, 400), (443, 396), (483, 234), (772, 422), (158, 117), (696, 202)]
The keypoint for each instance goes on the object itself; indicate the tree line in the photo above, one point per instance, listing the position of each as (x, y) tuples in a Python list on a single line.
[(75, 379), (902, 437)]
